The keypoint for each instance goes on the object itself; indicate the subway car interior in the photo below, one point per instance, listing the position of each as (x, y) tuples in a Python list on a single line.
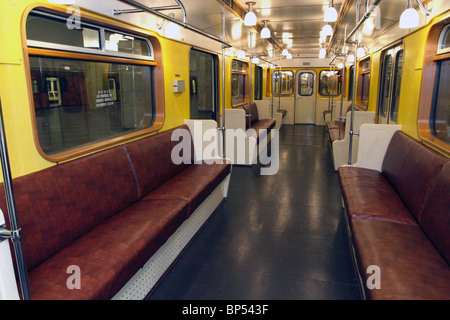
[(226, 150)]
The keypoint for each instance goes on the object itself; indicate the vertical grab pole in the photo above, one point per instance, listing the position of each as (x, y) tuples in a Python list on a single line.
[(350, 149), (342, 94), (333, 84), (223, 83), (250, 95), (16, 234), (344, 75)]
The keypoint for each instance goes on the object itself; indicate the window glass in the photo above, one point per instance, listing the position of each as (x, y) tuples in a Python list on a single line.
[(440, 120), (258, 83), (203, 78), (238, 91), (306, 84), (282, 83), (444, 40), (79, 102), (397, 86), (239, 82), (117, 42), (386, 84), (329, 84), (363, 86), (54, 30)]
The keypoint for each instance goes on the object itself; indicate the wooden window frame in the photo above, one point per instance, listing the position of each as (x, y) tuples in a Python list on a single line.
[(246, 73), (359, 88), (427, 91), (292, 83), (158, 77)]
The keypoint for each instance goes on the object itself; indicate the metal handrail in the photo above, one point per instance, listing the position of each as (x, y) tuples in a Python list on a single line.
[(184, 24)]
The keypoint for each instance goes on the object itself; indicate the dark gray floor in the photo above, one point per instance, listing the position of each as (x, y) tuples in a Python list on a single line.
[(278, 237)]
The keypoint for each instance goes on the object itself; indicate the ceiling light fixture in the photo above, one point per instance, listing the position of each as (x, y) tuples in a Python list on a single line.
[(327, 30), (265, 32), (285, 52), (241, 54), (322, 53), (331, 14), (250, 17), (410, 17)]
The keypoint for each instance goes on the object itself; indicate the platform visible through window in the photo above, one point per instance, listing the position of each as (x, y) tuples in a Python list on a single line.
[(90, 85)]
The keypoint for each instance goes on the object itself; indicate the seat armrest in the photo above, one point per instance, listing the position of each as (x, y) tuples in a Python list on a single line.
[(374, 140), (235, 119)]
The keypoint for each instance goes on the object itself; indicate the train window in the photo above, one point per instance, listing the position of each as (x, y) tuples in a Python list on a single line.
[(329, 84), (397, 85), (434, 108), (350, 83), (85, 99), (53, 32), (444, 41), (203, 78), (282, 83), (391, 80), (258, 83), (239, 82), (440, 117), (306, 84), (363, 88)]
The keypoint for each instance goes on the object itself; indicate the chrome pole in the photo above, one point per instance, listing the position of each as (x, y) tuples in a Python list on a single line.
[(350, 149), (15, 233), (223, 82)]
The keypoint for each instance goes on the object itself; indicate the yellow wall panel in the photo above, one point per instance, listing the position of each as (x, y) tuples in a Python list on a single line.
[(414, 46)]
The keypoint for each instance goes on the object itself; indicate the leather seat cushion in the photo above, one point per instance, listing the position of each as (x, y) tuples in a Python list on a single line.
[(57, 205), (368, 195), (410, 266), (192, 185), (109, 255), (152, 162)]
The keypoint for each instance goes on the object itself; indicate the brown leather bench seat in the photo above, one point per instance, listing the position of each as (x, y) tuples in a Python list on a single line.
[(255, 123), (334, 126), (399, 220), (283, 113), (107, 214)]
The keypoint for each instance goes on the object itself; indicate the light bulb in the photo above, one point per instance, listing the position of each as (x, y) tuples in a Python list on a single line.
[(409, 19), (289, 56), (340, 65), (241, 54), (172, 31), (327, 30), (322, 53), (351, 58), (360, 52), (265, 33), (285, 52), (331, 15), (255, 60)]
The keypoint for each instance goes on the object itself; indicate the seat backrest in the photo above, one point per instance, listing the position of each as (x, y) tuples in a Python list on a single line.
[(435, 219), (251, 110), (59, 204), (411, 168), (151, 158)]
